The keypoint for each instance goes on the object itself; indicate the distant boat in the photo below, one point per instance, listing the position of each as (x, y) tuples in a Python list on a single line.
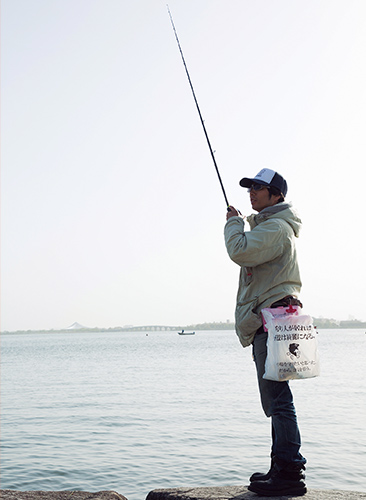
[(186, 333)]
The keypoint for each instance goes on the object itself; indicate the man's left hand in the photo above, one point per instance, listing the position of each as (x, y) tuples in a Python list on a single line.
[(232, 212)]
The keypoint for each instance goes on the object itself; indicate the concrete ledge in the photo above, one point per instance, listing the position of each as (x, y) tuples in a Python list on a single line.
[(242, 493), (59, 495), (208, 493)]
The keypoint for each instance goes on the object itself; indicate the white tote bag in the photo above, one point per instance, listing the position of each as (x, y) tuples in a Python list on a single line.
[(292, 345)]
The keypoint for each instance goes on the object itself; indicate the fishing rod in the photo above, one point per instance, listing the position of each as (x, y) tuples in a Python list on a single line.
[(198, 108)]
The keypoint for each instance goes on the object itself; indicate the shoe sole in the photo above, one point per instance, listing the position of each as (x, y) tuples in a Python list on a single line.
[(286, 491)]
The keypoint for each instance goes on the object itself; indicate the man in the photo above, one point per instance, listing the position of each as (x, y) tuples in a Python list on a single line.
[(269, 277)]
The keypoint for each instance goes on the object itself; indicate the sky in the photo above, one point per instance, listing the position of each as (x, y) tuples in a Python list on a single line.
[(111, 209)]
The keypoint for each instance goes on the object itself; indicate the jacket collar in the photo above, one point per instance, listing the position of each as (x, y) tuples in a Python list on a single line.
[(256, 219)]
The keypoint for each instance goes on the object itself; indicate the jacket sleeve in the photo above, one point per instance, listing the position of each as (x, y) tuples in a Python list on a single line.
[(251, 248)]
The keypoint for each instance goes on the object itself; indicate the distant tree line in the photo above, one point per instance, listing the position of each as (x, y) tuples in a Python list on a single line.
[(332, 323)]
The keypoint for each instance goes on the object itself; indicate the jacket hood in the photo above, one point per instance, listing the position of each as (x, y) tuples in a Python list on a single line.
[(283, 211)]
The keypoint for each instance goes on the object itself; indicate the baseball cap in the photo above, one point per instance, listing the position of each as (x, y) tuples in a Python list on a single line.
[(266, 177)]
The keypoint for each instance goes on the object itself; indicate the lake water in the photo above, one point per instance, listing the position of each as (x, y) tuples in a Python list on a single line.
[(134, 412)]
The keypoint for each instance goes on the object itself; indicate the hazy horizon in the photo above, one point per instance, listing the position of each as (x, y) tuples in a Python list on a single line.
[(170, 326)]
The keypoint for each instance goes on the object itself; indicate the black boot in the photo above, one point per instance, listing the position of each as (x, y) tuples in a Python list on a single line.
[(288, 480), (259, 476)]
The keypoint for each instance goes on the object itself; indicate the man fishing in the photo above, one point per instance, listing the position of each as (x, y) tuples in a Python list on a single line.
[(269, 277)]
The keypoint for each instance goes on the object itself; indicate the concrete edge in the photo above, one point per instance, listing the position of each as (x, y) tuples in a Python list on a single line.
[(242, 493)]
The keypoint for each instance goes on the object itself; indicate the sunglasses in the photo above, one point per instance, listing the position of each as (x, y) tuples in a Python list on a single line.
[(257, 187)]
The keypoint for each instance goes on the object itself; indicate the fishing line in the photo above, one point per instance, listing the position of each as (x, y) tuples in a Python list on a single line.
[(198, 108)]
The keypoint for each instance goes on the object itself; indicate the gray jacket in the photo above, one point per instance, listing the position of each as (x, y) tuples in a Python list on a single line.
[(268, 261)]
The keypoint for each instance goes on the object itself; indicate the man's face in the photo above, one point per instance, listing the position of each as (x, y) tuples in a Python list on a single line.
[(261, 199)]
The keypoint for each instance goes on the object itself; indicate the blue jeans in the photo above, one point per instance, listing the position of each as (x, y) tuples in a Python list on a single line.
[(277, 403)]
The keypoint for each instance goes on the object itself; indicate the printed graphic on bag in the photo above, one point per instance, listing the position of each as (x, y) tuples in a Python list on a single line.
[(293, 351)]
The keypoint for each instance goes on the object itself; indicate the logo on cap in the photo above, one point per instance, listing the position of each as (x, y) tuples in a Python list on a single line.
[(265, 175)]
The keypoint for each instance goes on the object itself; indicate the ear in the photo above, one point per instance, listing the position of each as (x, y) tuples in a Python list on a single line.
[(275, 198)]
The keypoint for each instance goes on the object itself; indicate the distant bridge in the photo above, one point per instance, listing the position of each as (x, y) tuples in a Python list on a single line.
[(150, 328)]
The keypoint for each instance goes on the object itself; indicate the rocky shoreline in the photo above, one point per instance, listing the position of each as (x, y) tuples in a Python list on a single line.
[(201, 493)]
